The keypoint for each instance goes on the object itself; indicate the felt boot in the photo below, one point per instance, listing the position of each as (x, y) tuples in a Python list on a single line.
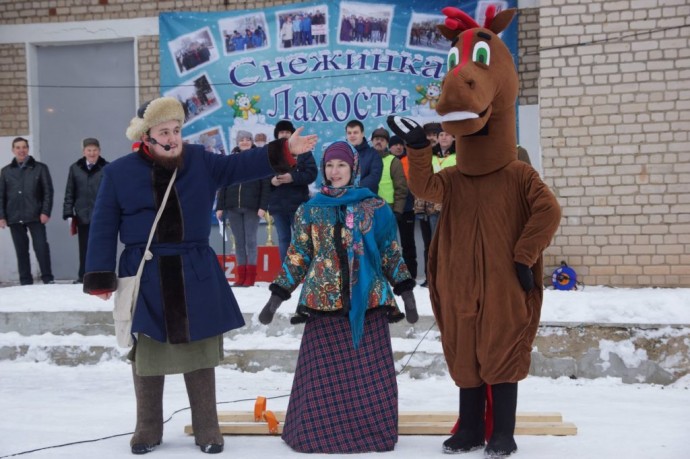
[(149, 430), (201, 389), (470, 433), (251, 276), (241, 275), (502, 441)]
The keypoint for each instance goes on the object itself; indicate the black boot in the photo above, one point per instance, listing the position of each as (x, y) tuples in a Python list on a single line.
[(470, 433), (201, 389), (149, 430), (502, 441)]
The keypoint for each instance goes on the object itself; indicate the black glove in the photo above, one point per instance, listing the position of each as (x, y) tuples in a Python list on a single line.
[(525, 276), (267, 313), (409, 130), (410, 306)]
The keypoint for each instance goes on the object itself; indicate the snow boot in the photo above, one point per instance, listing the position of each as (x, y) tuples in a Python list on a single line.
[(470, 433), (201, 390), (240, 276), (251, 276), (149, 429), (502, 441)]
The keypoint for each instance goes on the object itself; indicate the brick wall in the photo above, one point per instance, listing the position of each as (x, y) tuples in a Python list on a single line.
[(29, 12), (528, 56), (614, 96), (149, 67), (14, 112)]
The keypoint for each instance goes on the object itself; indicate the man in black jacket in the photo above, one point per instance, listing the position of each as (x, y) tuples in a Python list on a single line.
[(289, 190), (26, 199), (80, 194)]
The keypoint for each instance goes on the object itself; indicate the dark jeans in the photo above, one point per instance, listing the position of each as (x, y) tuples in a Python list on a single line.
[(83, 234), (409, 248), (21, 246), (283, 224)]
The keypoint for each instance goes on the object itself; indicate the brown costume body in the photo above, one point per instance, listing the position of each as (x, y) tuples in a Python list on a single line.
[(487, 322), (496, 211)]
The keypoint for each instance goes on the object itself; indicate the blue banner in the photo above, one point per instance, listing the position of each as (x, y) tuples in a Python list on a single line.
[(318, 64)]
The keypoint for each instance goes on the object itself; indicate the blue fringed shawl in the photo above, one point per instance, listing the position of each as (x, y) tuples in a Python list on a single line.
[(364, 247)]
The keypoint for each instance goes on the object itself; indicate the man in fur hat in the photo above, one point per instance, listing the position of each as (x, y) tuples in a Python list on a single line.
[(185, 303)]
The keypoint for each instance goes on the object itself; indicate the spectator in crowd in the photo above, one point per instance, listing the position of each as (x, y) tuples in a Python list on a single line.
[(289, 190), (393, 184), (444, 151), (83, 180), (26, 200), (431, 130), (407, 219), (244, 205), (370, 162), (523, 155), (260, 139), (429, 212)]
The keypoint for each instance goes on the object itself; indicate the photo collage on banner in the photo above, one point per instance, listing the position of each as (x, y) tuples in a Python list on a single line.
[(317, 64)]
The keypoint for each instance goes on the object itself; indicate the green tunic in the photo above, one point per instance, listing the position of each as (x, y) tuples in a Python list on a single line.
[(153, 358)]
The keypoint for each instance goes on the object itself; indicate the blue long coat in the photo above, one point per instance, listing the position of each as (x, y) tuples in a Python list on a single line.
[(184, 295)]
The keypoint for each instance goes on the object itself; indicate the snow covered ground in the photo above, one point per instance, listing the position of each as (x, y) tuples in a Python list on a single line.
[(44, 405)]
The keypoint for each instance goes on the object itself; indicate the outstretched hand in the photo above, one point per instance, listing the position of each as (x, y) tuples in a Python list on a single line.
[(299, 144), (409, 130)]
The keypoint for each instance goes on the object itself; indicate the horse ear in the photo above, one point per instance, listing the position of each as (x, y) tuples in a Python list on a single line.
[(448, 32), (501, 20)]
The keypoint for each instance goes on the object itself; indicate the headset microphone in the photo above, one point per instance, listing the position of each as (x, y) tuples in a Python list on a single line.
[(155, 142)]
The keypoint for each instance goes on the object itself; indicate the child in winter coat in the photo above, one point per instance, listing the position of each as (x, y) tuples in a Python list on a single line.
[(344, 247)]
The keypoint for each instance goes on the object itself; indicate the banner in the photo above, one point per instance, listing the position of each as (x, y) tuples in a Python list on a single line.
[(317, 64)]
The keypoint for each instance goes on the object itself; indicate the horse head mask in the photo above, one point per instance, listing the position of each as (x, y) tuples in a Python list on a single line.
[(478, 93)]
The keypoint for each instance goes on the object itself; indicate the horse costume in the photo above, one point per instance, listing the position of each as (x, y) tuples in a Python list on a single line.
[(485, 260)]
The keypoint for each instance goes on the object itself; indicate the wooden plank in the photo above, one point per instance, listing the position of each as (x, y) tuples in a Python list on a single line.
[(408, 428), (521, 428), (404, 416)]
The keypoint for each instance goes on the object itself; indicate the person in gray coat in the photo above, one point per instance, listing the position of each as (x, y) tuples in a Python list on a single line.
[(83, 181), (26, 199)]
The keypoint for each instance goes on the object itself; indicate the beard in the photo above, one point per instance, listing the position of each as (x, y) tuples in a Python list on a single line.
[(168, 162)]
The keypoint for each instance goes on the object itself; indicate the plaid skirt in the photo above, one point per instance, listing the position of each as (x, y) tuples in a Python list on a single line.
[(343, 400)]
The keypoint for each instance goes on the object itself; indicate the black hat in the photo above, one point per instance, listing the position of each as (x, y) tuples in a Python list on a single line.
[(89, 141), (395, 140), (283, 125), (380, 132), (432, 128)]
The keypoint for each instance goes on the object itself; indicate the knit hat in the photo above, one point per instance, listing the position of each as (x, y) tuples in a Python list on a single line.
[(241, 135), (340, 150), (395, 140), (432, 128), (380, 132), (283, 125), (153, 113), (90, 141)]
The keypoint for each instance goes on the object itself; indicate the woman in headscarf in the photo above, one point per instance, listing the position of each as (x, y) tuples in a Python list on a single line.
[(344, 248)]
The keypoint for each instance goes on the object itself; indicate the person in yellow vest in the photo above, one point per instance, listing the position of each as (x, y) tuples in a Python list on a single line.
[(427, 212), (393, 184), (444, 151)]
